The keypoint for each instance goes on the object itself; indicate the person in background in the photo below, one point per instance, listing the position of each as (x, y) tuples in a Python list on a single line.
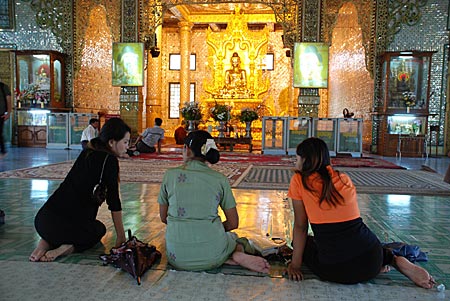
[(67, 222), (343, 249), (146, 142), (5, 112), (180, 133), (90, 132), (196, 238)]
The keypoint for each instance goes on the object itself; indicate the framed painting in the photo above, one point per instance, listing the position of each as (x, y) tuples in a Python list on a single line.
[(310, 65), (128, 64), (6, 15)]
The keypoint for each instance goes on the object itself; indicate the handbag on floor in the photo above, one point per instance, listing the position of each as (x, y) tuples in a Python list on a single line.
[(133, 256), (100, 190)]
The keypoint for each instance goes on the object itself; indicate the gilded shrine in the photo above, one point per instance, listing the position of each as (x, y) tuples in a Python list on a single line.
[(235, 58)]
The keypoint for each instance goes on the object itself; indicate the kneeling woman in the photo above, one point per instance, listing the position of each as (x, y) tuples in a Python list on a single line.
[(343, 248), (196, 238), (67, 221)]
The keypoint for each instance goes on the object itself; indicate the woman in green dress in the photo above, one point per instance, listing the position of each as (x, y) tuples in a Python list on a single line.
[(196, 238)]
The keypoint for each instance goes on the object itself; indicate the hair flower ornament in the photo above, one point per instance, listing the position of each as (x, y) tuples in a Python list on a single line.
[(207, 146)]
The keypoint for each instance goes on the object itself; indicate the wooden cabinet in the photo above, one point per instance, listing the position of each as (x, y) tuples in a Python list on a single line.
[(34, 136), (39, 79), (405, 94), (32, 127)]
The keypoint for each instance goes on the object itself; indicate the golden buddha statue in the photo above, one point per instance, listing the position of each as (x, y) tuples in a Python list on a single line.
[(236, 77)]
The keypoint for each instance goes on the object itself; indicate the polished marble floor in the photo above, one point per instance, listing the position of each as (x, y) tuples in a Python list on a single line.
[(418, 220)]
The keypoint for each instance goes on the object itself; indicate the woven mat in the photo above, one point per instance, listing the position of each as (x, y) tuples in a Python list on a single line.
[(366, 180), (131, 170)]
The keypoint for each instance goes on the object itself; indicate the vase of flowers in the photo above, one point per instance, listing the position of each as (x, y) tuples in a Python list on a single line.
[(221, 113), (248, 116), (32, 96), (192, 111), (410, 100)]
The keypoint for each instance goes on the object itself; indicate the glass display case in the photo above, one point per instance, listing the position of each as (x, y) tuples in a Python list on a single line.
[(326, 129), (273, 135), (39, 79), (406, 81), (405, 93), (299, 128), (77, 123), (57, 124), (32, 127), (349, 139), (406, 125)]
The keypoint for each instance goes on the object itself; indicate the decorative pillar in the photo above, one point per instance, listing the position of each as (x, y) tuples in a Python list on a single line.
[(185, 53), (131, 100), (309, 99), (154, 82)]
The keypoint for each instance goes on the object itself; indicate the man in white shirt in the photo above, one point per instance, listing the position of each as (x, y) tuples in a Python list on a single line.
[(90, 132), (146, 142)]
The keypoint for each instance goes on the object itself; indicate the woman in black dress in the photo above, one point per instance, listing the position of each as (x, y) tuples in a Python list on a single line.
[(67, 221)]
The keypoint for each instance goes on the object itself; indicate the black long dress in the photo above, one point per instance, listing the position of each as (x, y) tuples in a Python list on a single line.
[(69, 215)]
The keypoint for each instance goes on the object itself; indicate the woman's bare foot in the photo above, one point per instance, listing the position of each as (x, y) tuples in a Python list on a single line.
[(55, 253), (40, 250), (251, 262), (417, 274)]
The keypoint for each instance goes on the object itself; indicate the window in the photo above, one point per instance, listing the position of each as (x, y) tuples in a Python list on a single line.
[(175, 61), (268, 62), (174, 99), (7, 14)]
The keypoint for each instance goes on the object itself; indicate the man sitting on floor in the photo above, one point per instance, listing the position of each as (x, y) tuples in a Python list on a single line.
[(146, 142), (90, 132), (180, 133)]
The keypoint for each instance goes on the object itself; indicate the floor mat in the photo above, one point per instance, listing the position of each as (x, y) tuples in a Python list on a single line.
[(366, 180), (139, 171)]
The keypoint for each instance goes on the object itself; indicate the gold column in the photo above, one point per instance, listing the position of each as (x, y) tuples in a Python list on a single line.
[(154, 90), (185, 53)]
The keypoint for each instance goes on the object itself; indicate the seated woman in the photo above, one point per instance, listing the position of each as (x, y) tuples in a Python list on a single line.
[(343, 248), (196, 238), (67, 221)]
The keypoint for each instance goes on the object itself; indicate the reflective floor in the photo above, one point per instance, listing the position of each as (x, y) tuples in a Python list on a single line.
[(418, 220)]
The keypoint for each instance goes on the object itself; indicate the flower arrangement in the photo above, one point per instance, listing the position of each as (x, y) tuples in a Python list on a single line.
[(220, 112), (248, 115), (192, 111), (32, 95), (409, 98)]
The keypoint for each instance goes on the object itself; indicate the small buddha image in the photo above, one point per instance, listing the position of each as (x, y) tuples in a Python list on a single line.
[(43, 80), (236, 77)]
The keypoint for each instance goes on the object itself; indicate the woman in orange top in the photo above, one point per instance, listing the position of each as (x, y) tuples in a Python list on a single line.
[(343, 248)]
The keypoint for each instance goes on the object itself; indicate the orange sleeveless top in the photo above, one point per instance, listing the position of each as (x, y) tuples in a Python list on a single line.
[(325, 213)]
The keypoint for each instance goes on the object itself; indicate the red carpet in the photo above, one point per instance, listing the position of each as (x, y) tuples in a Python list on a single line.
[(258, 159), (227, 157), (363, 162)]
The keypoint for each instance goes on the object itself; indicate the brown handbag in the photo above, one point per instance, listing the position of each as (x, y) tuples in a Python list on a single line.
[(100, 190)]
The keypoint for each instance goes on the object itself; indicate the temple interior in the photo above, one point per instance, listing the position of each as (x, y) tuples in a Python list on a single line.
[(371, 78)]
